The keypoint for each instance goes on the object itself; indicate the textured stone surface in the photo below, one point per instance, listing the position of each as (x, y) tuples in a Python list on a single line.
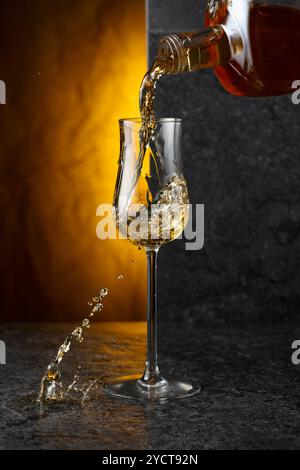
[(250, 398), (241, 159), (174, 15)]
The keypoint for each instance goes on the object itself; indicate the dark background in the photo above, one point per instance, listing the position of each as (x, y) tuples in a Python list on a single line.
[(241, 158)]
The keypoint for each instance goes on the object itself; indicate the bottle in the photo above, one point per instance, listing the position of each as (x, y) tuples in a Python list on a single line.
[(253, 47)]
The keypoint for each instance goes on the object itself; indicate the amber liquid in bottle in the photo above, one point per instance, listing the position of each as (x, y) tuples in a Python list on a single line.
[(252, 47), (274, 39)]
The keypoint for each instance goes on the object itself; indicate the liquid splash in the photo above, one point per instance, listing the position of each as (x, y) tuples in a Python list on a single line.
[(51, 387)]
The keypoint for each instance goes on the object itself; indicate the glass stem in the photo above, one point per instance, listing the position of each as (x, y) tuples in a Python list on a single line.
[(151, 374)]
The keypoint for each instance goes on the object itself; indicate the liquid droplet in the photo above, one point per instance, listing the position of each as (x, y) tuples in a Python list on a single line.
[(62, 350), (103, 292), (97, 308), (120, 277), (51, 386), (53, 372), (86, 323), (77, 334)]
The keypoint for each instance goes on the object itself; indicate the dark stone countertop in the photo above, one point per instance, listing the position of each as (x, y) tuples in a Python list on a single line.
[(250, 397)]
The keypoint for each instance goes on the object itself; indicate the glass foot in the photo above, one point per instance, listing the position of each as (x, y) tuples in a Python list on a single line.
[(134, 388)]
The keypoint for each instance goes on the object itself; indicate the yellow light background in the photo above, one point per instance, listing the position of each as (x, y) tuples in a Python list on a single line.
[(73, 69)]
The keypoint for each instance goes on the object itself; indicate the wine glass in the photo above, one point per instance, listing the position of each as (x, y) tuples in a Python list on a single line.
[(151, 207)]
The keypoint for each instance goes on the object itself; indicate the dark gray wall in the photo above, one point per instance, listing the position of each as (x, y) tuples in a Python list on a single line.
[(241, 158)]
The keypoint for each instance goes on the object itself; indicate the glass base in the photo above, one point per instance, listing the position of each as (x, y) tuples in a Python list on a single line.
[(135, 389)]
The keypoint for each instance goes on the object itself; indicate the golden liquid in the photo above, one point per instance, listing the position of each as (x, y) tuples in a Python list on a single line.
[(259, 59), (153, 223), (272, 34), (51, 387), (153, 217), (147, 97)]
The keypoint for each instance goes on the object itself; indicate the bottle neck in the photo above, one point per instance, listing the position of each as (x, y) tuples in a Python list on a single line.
[(187, 52)]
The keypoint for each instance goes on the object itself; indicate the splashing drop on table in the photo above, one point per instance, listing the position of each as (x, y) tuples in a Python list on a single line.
[(51, 387)]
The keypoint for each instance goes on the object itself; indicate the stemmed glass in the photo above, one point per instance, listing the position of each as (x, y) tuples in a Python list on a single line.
[(151, 208)]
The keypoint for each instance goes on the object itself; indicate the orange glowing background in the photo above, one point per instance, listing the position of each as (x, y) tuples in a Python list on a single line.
[(72, 68)]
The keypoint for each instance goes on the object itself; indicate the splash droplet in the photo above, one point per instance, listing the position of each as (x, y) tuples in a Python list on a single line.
[(97, 308), (77, 334), (96, 299), (86, 323), (51, 386), (120, 277), (53, 372), (103, 292), (62, 350)]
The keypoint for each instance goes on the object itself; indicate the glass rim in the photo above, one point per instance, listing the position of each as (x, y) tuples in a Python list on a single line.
[(138, 120)]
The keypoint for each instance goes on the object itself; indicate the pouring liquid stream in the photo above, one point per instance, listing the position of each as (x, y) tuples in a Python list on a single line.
[(148, 116)]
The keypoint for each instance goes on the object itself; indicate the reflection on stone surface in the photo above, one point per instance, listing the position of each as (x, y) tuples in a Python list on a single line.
[(250, 397)]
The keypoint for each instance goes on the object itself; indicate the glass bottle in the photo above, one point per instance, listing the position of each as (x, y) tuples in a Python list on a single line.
[(253, 47)]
